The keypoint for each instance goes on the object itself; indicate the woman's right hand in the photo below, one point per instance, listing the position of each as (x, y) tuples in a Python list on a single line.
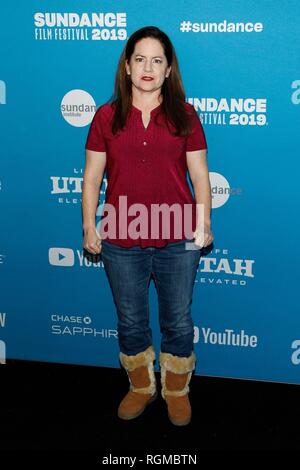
[(92, 241)]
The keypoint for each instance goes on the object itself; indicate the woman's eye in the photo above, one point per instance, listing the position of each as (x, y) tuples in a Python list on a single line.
[(157, 61)]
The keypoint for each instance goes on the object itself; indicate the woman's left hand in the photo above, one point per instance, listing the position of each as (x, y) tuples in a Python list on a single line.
[(203, 236)]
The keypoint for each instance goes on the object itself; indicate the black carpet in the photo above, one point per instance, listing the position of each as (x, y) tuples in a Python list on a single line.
[(56, 407)]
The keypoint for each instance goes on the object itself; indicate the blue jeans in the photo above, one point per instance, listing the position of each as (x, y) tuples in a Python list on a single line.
[(174, 269)]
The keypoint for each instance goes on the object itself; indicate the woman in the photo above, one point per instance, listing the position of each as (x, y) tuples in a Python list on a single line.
[(147, 137)]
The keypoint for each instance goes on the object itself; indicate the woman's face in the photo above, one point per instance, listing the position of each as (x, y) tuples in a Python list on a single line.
[(148, 59)]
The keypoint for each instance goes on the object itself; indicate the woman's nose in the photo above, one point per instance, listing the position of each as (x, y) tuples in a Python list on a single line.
[(148, 66)]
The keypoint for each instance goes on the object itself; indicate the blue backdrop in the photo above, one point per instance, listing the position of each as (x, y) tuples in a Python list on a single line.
[(240, 65)]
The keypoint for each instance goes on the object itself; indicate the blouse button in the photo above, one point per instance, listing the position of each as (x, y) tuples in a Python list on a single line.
[(145, 143), (143, 159)]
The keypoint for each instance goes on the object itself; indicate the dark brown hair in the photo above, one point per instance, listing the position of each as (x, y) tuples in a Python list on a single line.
[(172, 89)]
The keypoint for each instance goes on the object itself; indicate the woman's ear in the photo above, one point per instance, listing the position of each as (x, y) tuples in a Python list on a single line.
[(127, 67)]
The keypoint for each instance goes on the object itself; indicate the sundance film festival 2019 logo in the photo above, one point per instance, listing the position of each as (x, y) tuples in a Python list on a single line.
[(231, 111), (56, 26)]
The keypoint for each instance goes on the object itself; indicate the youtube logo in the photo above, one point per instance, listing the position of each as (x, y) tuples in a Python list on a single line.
[(61, 256)]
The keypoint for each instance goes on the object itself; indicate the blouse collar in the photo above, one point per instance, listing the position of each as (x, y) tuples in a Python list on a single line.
[(152, 112)]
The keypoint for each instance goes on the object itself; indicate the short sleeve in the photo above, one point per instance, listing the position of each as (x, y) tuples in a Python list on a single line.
[(196, 140), (95, 139)]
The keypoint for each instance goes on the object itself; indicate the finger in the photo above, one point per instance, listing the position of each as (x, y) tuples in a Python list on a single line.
[(94, 245), (98, 234), (208, 241), (94, 250), (199, 241)]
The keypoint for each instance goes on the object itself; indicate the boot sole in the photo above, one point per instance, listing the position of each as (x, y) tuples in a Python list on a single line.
[(127, 418), (179, 423)]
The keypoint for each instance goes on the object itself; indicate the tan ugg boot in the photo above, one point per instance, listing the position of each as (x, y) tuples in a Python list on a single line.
[(142, 381), (176, 374)]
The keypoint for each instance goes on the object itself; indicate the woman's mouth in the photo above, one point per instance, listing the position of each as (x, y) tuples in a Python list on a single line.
[(147, 78)]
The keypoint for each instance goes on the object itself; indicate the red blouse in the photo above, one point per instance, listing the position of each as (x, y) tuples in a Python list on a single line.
[(145, 166)]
